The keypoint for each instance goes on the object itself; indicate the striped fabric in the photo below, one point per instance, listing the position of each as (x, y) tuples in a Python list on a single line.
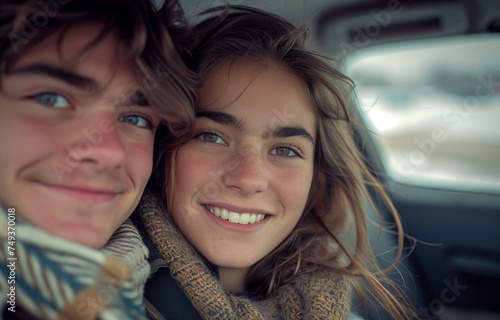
[(58, 279)]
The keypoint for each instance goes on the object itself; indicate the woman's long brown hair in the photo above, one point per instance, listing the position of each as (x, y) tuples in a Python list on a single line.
[(336, 204)]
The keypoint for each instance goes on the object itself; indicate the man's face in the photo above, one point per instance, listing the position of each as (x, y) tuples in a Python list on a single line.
[(76, 141)]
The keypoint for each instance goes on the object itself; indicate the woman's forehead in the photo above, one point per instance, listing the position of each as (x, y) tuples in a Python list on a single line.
[(266, 95)]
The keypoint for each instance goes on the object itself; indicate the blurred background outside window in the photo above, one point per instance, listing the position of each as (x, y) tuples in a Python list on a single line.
[(433, 109)]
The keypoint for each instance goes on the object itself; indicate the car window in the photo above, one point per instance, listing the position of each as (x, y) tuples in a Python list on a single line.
[(433, 109)]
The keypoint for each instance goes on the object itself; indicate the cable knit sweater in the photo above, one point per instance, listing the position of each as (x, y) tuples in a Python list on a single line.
[(318, 295)]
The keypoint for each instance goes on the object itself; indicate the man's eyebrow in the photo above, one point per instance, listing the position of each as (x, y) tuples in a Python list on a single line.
[(60, 74), (285, 132), (221, 118), (137, 98)]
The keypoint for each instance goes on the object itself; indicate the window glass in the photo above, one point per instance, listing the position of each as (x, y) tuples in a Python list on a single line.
[(433, 109)]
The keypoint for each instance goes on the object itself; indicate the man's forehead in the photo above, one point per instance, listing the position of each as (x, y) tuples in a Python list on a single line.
[(74, 45)]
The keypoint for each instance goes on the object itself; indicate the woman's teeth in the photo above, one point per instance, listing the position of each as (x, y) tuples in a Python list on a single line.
[(234, 217)]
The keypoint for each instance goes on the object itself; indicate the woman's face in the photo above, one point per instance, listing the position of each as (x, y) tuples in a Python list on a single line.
[(241, 184)]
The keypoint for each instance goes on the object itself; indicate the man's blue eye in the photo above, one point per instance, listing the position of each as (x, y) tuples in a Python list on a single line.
[(136, 121), (52, 100)]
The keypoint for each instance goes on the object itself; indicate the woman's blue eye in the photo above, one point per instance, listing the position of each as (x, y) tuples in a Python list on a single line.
[(137, 121), (53, 100), (283, 152), (210, 137)]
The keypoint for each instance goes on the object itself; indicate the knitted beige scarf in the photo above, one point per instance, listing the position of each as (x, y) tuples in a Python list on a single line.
[(320, 295)]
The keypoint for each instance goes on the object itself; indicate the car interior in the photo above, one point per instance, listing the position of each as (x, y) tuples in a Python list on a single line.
[(427, 77)]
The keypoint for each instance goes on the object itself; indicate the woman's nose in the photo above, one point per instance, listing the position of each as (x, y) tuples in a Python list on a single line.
[(245, 172)]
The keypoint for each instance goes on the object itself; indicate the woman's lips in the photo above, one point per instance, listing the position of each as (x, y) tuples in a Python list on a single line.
[(237, 222), (235, 217)]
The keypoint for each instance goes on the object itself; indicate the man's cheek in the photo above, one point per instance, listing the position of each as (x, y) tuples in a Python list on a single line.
[(140, 161)]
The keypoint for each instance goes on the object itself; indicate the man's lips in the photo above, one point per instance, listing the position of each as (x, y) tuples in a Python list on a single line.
[(86, 194)]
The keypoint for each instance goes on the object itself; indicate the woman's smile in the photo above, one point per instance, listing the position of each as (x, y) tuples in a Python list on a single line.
[(235, 217)]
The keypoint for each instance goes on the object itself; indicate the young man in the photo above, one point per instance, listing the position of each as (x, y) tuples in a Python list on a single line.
[(84, 85)]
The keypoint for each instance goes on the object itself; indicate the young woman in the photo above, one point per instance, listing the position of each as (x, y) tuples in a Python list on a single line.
[(271, 185)]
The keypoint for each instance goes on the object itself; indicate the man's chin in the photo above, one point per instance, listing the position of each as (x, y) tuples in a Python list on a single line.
[(92, 240), (85, 234)]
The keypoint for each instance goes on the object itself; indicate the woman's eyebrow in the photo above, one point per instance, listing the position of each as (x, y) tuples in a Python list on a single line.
[(280, 132), (286, 132), (221, 118), (69, 77)]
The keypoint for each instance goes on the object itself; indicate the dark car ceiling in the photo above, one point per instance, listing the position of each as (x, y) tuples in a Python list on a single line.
[(332, 21)]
